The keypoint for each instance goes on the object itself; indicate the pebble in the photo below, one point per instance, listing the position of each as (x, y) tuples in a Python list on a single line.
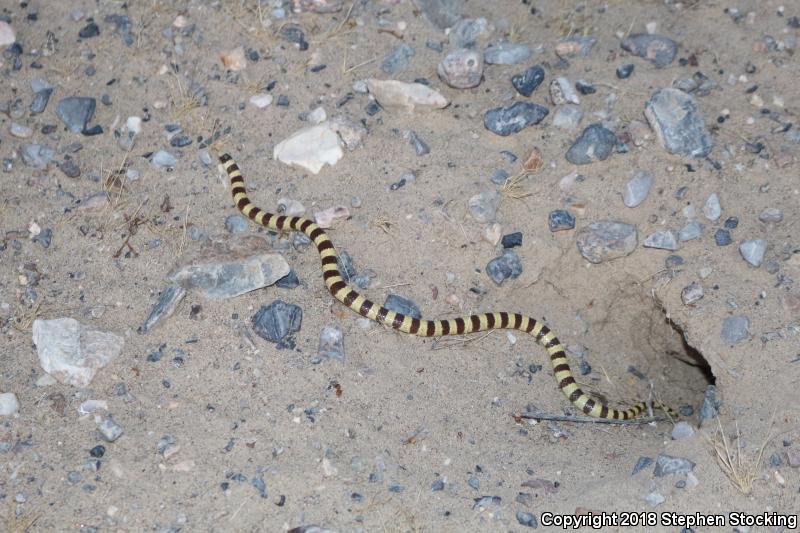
[(226, 268), (567, 117), (289, 281), (492, 233), (596, 143), (20, 131), (165, 306), (527, 519), (398, 59), (640, 132), (261, 100), (654, 499), (164, 159), (277, 321), (505, 53), (575, 45), (637, 188), (486, 501), (735, 329), (398, 95), (401, 305), (179, 141), (331, 343), (349, 131), (682, 430), (235, 60), (657, 49), (310, 148), (462, 68), (585, 88), (692, 293), (88, 31), (753, 251), (664, 240), (560, 220), (676, 120), (7, 36), (722, 237), (41, 95), (437, 485), (667, 465), (731, 223), (9, 405), (499, 176), (527, 82), (625, 71), (690, 231), (73, 353), (605, 240), (711, 405), (512, 240), (641, 464), (508, 265), (327, 217), (109, 430), (514, 118), (420, 147), (562, 92), (483, 206), (712, 208), (236, 224), (76, 112), (37, 155), (771, 214), (466, 32)]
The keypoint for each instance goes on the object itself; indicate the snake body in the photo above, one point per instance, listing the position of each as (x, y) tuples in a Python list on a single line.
[(347, 295)]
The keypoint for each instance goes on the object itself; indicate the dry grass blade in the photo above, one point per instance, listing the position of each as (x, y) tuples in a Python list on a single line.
[(513, 186), (741, 469)]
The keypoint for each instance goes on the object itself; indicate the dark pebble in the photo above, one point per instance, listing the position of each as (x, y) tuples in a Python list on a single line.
[(260, 486), (499, 176), (503, 267), (420, 147), (510, 156), (596, 143), (90, 30), (98, 451), (528, 81), (673, 261), (277, 321), (372, 108), (731, 223), (180, 140), (97, 129), (641, 464), (282, 100), (624, 71), (560, 220), (514, 118), (40, 100), (294, 34), (437, 485), (527, 519), (289, 281), (722, 237), (512, 239), (345, 265), (584, 87), (401, 305), (105, 99), (69, 168), (44, 238)]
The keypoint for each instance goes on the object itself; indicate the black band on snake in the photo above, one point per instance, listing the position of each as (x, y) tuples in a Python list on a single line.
[(427, 328)]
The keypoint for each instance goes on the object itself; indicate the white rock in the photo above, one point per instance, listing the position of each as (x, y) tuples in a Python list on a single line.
[(326, 218), (712, 208), (492, 233), (290, 208), (46, 380), (9, 405), (73, 353), (261, 100), (398, 95), (562, 92), (317, 116), (134, 124), (234, 59), (7, 37), (92, 406), (310, 148)]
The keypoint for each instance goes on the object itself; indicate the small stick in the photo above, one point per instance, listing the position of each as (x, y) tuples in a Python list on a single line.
[(588, 419)]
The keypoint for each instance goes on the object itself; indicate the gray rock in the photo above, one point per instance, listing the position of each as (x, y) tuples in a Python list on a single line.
[(505, 53), (503, 267), (560, 220), (462, 68), (596, 143), (331, 343), (109, 430), (605, 240), (771, 214), (19, 131), (499, 176), (289, 281), (69, 167), (514, 118), (401, 305), (637, 188), (677, 122), (667, 465), (398, 59), (735, 329), (654, 499), (162, 158), (657, 49), (441, 13), (664, 240), (562, 92), (9, 404), (641, 464), (483, 206), (567, 116), (41, 95), (466, 32), (420, 147), (692, 293), (37, 155), (690, 231), (712, 208), (76, 112), (224, 269), (165, 306), (722, 237), (682, 430), (753, 251), (236, 224), (575, 45), (346, 266), (277, 321), (710, 408), (527, 82), (527, 519)]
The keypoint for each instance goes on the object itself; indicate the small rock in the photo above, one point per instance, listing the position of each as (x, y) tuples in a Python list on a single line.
[(234, 60), (483, 206), (397, 95), (711, 405), (654, 499), (486, 501), (19, 131), (514, 118), (690, 231), (503, 267), (71, 352), (7, 36), (682, 430), (637, 188), (560, 220), (641, 464), (109, 430), (326, 218), (69, 167), (567, 117), (575, 45), (349, 131), (401, 305), (527, 82), (289, 281), (692, 293), (41, 95), (437, 485), (527, 519), (236, 224), (277, 321), (512, 240), (625, 71), (505, 53), (9, 405), (499, 176), (674, 261), (310, 148), (735, 329), (664, 240), (606, 240), (466, 32), (562, 92), (585, 88), (165, 306), (667, 465), (771, 214), (640, 132), (462, 68), (420, 147), (331, 343), (753, 251), (677, 122), (261, 100), (492, 233), (657, 49), (398, 59), (164, 159), (36, 155), (722, 237), (88, 31), (712, 208), (76, 112)]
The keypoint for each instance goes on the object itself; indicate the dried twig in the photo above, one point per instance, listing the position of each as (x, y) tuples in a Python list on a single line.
[(588, 419)]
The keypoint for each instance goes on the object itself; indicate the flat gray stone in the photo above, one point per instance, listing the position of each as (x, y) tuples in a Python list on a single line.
[(404, 306), (506, 266), (441, 13), (398, 59), (331, 343), (657, 49), (567, 116), (165, 306), (109, 430), (753, 251), (735, 329), (667, 465), (664, 240), (76, 112), (712, 209), (676, 120), (595, 143), (505, 53), (37, 155), (514, 118), (605, 240), (692, 293), (462, 68), (637, 188), (277, 321), (690, 231), (467, 32), (771, 214)]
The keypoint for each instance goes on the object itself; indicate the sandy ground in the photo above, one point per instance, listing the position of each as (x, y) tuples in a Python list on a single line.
[(407, 415)]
